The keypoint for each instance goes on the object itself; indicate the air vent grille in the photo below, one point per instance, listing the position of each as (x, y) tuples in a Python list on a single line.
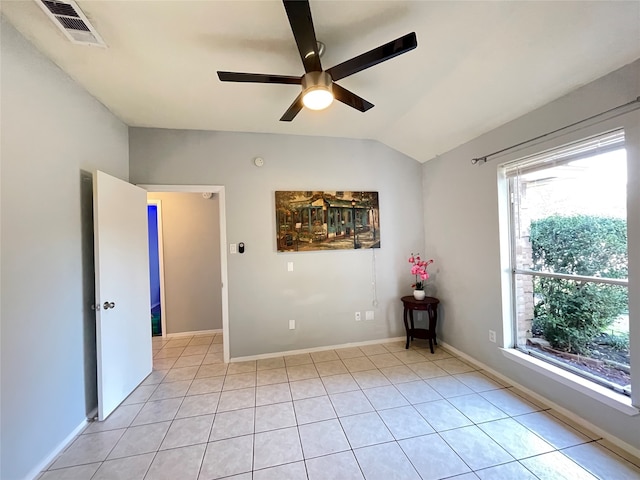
[(73, 23), (68, 17), (59, 8)]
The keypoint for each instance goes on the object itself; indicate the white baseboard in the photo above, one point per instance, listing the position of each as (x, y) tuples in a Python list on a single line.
[(567, 413), (46, 462), (193, 334), (315, 349)]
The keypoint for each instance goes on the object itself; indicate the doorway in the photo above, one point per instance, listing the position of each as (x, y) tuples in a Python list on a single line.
[(219, 192), (156, 268)]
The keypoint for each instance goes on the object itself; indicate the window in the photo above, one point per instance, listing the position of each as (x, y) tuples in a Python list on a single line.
[(568, 239)]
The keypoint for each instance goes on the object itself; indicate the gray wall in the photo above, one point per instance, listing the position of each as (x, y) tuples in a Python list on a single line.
[(51, 131), (191, 242), (461, 232), (325, 288)]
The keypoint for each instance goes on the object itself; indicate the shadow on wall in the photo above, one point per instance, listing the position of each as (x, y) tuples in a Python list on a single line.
[(88, 294)]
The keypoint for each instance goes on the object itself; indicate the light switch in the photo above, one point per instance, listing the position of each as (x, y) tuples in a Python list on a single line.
[(289, 266), (232, 248)]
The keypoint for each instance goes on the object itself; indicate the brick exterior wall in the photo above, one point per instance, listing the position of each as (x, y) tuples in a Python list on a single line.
[(523, 283)]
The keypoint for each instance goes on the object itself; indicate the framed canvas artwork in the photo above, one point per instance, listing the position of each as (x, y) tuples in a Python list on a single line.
[(327, 220)]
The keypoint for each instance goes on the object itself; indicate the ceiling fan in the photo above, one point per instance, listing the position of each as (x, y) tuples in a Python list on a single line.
[(318, 86)]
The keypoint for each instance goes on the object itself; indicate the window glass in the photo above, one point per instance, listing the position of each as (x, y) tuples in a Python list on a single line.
[(569, 258)]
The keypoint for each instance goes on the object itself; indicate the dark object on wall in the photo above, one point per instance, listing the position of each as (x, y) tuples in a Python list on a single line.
[(241, 247), (326, 220)]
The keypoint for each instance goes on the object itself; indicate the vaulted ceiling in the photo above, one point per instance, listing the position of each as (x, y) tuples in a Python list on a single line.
[(477, 65)]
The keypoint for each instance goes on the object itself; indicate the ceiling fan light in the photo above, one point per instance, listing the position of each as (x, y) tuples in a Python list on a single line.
[(317, 92), (317, 98)]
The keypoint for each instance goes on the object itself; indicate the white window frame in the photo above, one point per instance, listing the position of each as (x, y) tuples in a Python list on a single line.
[(630, 123)]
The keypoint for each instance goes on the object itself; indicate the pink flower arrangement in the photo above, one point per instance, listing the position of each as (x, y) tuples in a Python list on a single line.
[(419, 269)]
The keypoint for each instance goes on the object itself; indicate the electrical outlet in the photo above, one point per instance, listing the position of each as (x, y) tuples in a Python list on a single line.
[(292, 324), (289, 266), (358, 316), (492, 336), (369, 315)]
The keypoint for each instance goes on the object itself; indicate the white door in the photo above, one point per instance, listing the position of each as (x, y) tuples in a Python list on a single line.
[(123, 326)]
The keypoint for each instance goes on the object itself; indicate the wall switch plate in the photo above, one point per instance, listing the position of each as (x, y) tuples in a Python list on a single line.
[(369, 315), (492, 336), (289, 266), (292, 324), (358, 316), (232, 248)]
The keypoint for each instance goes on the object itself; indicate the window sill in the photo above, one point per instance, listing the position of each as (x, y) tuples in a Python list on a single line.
[(620, 402)]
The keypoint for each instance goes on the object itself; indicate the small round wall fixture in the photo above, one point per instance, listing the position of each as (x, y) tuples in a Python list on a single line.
[(207, 195), (258, 161)]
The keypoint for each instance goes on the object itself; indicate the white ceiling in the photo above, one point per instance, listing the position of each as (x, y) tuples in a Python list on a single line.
[(477, 65)]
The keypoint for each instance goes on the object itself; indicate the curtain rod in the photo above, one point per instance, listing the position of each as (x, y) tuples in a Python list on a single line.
[(484, 158)]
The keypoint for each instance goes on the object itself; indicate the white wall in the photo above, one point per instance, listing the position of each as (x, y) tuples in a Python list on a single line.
[(52, 130), (461, 233), (191, 243), (325, 288)]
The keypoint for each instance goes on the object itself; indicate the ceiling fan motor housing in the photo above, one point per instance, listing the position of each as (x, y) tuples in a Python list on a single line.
[(314, 80)]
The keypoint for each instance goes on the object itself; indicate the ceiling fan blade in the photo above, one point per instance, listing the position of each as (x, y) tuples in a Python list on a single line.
[(349, 98), (299, 14), (258, 78), (293, 110), (373, 57)]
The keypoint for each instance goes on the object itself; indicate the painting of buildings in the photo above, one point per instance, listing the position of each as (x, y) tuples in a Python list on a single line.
[(326, 220)]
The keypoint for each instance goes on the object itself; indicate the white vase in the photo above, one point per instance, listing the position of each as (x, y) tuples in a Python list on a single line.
[(419, 294)]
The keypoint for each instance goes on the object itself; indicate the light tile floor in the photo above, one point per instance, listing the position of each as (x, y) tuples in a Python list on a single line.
[(375, 412)]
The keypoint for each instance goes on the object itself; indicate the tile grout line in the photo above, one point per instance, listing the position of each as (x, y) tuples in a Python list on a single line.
[(255, 416), (361, 388)]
